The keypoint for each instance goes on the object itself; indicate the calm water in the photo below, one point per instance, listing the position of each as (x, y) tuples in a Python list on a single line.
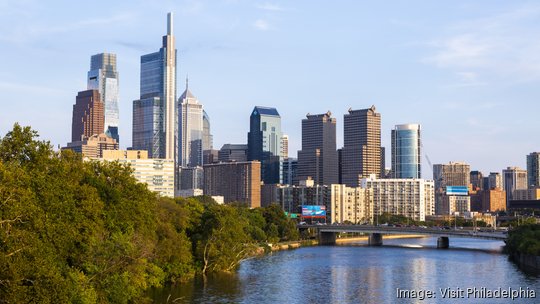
[(355, 273)]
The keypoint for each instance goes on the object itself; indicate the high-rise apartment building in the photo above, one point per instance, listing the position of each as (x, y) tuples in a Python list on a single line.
[(533, 170), (157, 174), (454, 174), (208, 140), (284, 146), (514, 178), (103, 77), (406, 154), (190, 130), (264, 142), (88, 116), (361, 154), (318, 158), (154, 114), (413, 198), (235, 181)]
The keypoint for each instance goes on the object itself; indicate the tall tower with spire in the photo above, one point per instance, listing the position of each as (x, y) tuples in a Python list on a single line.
[(190, 130), (154, 114)]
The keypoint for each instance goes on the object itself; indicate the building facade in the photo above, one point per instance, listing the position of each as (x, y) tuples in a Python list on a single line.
[(495, 180), (265, 142), (190, 130), (533, 170), (157, 174), (290, 168), (93, 146), (88, 118), (284, 146), (361, 153), (514, 178), (103, 76), (413, 198), (233, 152), (451, 174), (208, 139), (406, 154), (155, 113), (235, 181), (318, 158), (352, 205)]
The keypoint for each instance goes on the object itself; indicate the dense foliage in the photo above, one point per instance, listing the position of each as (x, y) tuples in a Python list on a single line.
[(524, 239), (86, 231)]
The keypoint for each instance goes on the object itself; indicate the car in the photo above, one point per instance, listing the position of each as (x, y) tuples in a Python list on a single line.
[(302, 223)]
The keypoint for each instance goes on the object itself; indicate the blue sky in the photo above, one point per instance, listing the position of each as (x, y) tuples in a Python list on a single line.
[(467, 71)]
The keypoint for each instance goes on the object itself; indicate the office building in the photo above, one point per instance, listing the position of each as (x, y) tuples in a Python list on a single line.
[(495, 180), (526, 194), (514, 178), (318, 158), (211, 156), (413, 198), (88, 116), (103, 77), (533, 170), (233, 152), (361, 154), (157, 174), (383, 163), (235, 181), (208, 139), (477, 180), (154, 114), (290, 168), (93, 146), (190, 130), (264, 142), (453, 174), (406, 154), (493, 200), (292, 197), (190, 178)]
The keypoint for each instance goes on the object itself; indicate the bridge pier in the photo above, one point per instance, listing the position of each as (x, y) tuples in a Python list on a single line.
[(375, 239), (443, 242), (327, 238)]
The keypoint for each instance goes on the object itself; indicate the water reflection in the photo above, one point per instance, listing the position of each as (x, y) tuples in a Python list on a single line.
[(355, 273)]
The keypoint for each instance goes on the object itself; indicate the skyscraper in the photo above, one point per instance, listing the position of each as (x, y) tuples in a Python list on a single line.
[(208, 141), (451, 184), (285, 146), (514, 178), (88, 116), (264, 142), (533, 170), (406, 157), (318, 158), (190, 130), (361, 155), (154, 114), (103, 77)]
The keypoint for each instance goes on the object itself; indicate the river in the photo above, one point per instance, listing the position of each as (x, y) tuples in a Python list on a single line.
[(356, 273)]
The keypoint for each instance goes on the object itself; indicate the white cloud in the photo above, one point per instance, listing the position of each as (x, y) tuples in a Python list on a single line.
[(269, 7), (261, 24), (504, 45)]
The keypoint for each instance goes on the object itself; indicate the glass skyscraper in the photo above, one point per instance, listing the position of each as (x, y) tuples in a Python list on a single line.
[(264, 142), (190, 131), (155, 113), (406, 157), (208, 143), (103, 77)]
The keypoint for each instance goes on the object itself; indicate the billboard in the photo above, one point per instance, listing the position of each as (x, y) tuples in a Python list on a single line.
[(313, 211), (457, 190)]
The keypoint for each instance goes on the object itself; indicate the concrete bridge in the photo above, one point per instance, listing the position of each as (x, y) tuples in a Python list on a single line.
[(327, 233)]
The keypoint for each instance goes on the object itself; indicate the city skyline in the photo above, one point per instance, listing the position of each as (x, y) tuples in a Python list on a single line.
[(445, 71)]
